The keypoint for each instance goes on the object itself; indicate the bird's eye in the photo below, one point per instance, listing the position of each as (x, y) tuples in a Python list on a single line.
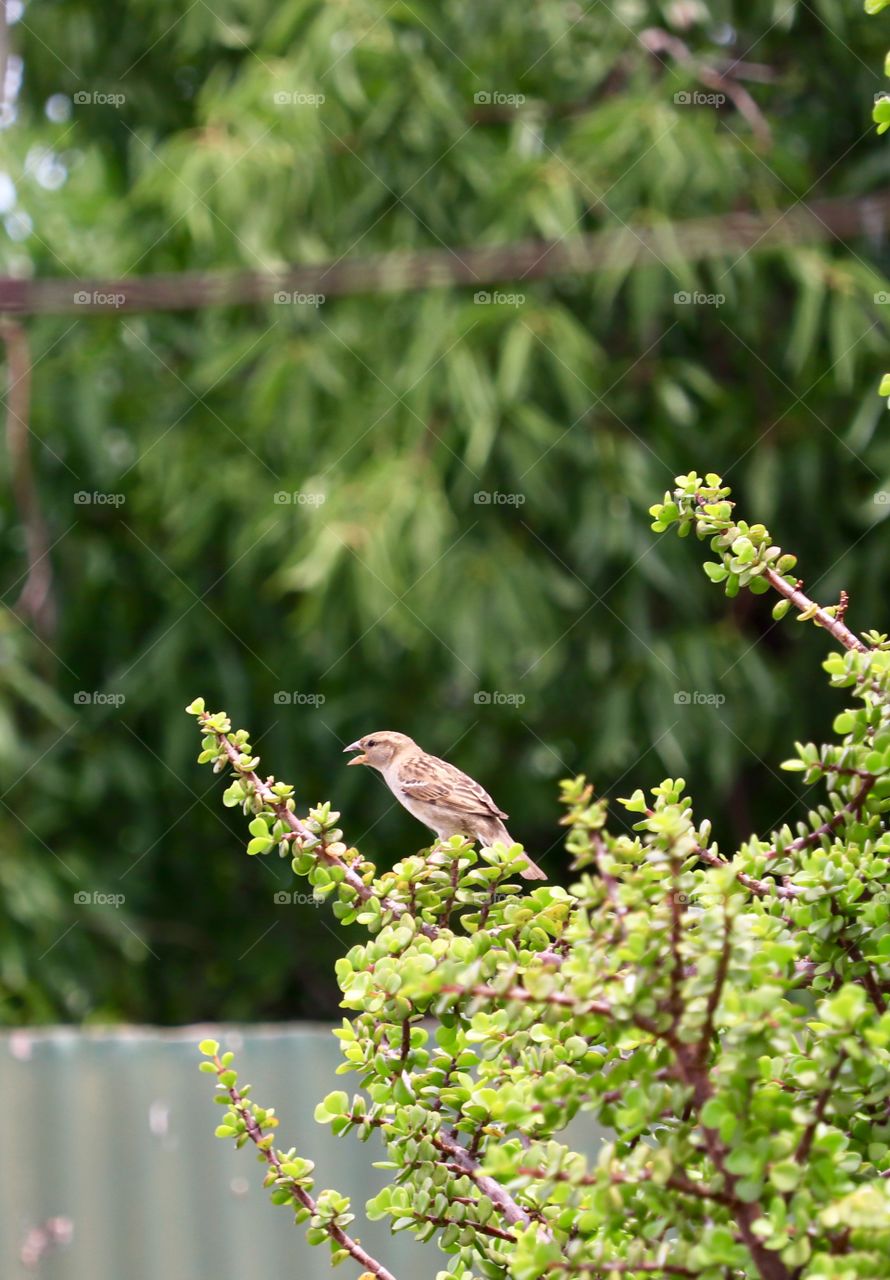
[(372, 742)]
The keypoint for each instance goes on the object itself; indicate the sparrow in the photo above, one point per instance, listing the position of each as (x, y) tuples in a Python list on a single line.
[(435, 792)]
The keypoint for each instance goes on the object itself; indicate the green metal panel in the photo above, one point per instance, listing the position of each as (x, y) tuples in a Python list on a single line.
[(114, 1130)]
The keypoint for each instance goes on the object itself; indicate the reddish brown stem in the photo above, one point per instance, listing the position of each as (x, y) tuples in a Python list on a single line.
[(613, 1268), (676, 1182), (256, 1135), (693, 1071), (806, 1142), (763, 888), (851, 809), (836, 626)]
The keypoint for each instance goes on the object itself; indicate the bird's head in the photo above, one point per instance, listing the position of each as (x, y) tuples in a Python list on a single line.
[(380, 749)]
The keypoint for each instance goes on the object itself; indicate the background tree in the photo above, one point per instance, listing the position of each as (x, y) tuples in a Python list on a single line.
[(400, 598)]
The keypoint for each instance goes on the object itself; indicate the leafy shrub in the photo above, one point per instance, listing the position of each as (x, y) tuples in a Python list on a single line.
[(723, 1015)]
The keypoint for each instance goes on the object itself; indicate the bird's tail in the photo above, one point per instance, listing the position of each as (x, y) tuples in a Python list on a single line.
[(494, 831)]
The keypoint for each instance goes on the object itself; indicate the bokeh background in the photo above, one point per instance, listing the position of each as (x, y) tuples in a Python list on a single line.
[(540, 633)]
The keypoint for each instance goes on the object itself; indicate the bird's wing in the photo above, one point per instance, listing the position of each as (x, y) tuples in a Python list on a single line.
[(436, 782)]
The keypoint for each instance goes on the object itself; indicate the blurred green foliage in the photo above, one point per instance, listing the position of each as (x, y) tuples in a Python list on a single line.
[(400, 598)]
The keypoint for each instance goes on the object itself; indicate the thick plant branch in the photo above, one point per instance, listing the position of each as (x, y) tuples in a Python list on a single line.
[(36, 599), (683, 242), (499, 1196), (465, 1163)]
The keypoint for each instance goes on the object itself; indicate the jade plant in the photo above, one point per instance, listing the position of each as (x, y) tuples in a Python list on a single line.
[(721, 1014)]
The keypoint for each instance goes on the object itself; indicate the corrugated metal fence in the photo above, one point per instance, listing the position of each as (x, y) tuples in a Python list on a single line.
[(113, 1130)]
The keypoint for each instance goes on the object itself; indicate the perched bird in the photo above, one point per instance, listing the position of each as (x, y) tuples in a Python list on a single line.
[(434, 792)]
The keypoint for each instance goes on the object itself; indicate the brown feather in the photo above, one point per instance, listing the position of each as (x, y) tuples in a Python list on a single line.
[(433, 781)]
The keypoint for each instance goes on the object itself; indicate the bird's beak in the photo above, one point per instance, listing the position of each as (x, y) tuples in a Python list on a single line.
[(356, 746)]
